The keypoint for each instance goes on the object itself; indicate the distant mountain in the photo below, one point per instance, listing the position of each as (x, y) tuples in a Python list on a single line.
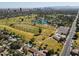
[(66, 7)]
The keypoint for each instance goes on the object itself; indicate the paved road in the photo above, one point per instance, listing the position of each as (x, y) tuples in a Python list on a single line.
[(67, 46)]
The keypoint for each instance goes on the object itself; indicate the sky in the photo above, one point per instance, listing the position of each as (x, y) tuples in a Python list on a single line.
[(35, 4)]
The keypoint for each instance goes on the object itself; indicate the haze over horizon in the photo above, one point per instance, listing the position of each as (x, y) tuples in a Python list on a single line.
[(35, 4)]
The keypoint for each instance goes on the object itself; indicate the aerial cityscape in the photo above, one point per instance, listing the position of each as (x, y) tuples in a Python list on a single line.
[(39, 29)]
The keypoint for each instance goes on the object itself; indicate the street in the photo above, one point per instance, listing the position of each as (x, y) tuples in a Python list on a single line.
[(67, 45)]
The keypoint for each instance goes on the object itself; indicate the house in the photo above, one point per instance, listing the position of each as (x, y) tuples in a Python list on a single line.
[(1, 49), (63, 30), (61, 33), (57, 37), (75, 51), (44, 52), (12, 39), (34, 51)]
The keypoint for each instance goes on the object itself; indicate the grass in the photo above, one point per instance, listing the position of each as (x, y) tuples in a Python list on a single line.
[(25, 25), (26, 30), (8, 21), (48, 32), (76, 42), (25, 35), (53, 44), (44, 39)]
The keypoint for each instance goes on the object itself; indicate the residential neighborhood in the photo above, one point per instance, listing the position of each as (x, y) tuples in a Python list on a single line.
[(39, 31)]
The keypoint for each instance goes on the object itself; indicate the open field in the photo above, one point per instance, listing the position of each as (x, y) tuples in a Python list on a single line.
[(25, 35), (27, 31), (55, 46)]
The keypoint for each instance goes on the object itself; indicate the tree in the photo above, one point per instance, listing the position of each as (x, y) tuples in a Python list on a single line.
[(45, 46), (15, 45), (40, 30), (22, 19), (57, 53), (50, 52), (58, 49), (11, 24), (32, 40), (40, 47)]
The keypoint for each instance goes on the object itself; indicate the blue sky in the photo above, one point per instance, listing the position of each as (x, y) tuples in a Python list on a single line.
[(35, 4)]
